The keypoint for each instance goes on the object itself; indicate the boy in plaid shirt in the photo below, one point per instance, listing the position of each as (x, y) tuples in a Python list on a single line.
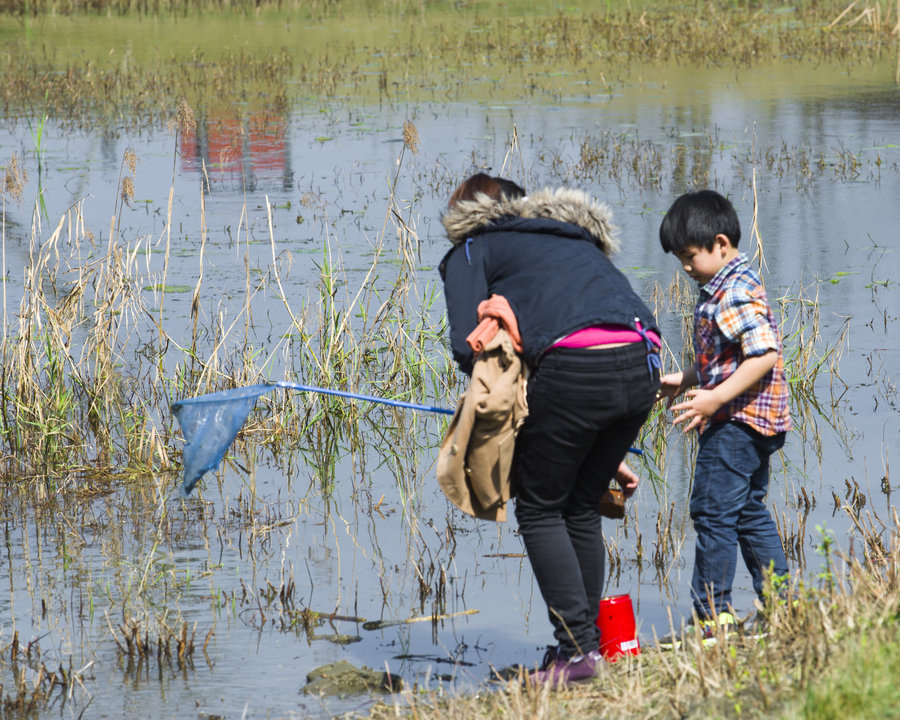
[(740, 407)]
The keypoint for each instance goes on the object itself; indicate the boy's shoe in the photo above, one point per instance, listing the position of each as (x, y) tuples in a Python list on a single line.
[(755, 627), (705, 631), (559, 670)]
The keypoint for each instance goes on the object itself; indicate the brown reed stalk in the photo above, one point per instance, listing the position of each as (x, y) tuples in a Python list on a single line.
[(183, 122), (754, 222), (514, 147), (195, 298)]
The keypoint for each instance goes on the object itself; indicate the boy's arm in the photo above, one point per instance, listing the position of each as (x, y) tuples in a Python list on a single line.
[(702, 404)]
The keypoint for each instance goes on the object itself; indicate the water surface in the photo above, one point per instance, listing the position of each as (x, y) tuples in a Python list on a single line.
[(817, 148)]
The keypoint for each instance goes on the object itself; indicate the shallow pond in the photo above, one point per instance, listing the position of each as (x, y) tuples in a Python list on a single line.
[(818, 149)]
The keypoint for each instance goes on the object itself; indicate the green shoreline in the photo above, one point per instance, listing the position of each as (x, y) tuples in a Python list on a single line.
[(134, 69)]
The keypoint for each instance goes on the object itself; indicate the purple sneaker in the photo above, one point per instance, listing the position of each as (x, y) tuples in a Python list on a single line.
[(558, 670)]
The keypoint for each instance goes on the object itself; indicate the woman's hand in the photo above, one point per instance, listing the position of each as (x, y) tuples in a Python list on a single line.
[(674, 384), (627, 479)]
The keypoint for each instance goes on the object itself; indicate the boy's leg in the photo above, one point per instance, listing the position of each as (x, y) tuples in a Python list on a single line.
[(757, 533), (726, 460)]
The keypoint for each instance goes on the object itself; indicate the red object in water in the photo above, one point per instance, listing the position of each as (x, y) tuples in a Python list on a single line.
[(618, 635)]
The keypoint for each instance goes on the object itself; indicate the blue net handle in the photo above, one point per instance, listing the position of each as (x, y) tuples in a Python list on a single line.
[(211, 422), (357, 396)]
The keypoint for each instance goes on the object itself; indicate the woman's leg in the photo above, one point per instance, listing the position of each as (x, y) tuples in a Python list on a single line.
[(585, 409), (549, 451), (582, 516)]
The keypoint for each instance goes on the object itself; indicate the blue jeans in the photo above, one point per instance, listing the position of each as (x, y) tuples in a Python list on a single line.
[(585, 409), (728, 507)]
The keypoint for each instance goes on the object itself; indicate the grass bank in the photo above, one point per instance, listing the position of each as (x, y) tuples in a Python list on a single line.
[(131, 63)]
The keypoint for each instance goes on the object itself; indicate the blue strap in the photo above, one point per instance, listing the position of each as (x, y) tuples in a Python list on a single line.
[(468, 256), (653, 360)]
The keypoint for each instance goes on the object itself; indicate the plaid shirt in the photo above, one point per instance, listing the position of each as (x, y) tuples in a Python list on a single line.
[(733, 321)]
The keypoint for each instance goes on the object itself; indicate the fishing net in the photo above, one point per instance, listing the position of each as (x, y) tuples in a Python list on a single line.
[(210, 424)]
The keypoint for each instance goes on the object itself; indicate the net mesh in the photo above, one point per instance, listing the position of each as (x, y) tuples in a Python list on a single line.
[(210, 424)]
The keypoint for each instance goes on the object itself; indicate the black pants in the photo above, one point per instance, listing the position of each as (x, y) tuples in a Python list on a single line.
[(585, 409)]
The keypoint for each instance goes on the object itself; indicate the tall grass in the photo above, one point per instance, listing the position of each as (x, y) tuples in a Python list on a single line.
[(249, 8), (877, 15), (274, 71), (90, 368), (73, 407)]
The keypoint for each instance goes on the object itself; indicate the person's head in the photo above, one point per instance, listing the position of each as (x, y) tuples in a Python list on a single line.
[(703, 231), (480, 183), (696, 218)]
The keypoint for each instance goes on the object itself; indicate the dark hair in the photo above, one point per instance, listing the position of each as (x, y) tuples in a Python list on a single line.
[(493, 187), (696, 218)]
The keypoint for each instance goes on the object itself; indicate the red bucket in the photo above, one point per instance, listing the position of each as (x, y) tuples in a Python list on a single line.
[(618, 635)]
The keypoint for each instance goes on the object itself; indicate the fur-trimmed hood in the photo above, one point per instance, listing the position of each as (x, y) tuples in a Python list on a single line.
[(568, 205)]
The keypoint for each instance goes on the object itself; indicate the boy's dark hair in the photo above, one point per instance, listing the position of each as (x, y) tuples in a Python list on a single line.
[(696, 218), (480, 183)]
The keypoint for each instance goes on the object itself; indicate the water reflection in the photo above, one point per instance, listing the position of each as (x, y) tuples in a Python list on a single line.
[(237, 153)]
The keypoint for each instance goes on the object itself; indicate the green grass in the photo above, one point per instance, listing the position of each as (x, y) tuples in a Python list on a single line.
[(862, 682)]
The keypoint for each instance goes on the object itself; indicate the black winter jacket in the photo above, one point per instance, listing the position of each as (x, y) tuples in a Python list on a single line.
[(548, 255)]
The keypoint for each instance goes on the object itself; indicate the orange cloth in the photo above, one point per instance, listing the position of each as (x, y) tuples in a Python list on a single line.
[(493, 314)]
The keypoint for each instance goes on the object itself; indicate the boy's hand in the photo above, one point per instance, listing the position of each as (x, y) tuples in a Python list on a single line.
[(702, 404), (627, 480), (696, 411)]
